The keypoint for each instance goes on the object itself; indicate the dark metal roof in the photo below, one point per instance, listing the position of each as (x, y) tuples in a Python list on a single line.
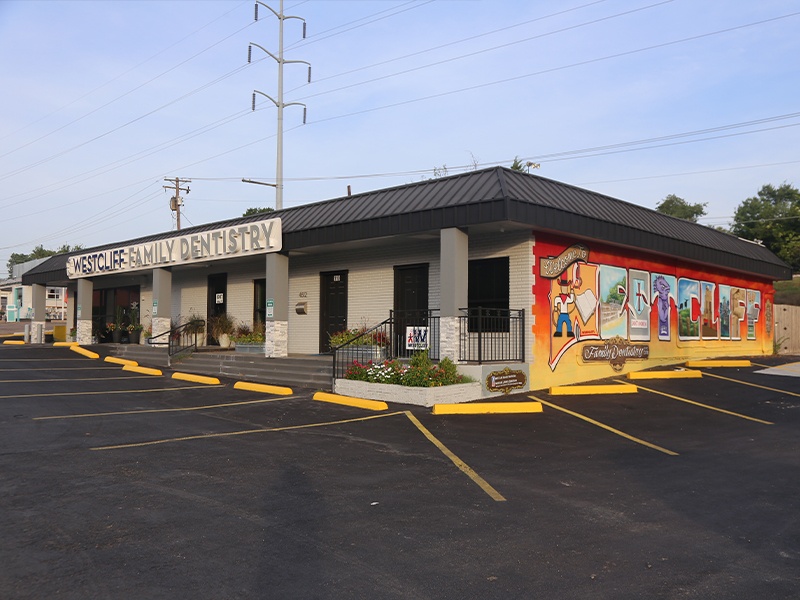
[(487, 196)]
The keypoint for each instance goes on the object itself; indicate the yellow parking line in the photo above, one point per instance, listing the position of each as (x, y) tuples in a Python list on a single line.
[(755, 385), (606, 427), (208, 436), (59, 394), (464, 467), (714, 408), (159, 410)]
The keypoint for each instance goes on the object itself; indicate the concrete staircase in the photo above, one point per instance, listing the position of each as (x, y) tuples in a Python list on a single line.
[(147, 356), (313, 372)]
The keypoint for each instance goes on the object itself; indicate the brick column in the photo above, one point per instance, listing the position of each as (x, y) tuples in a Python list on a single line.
[(454, 259), (276, 338), (162, 301), (83, 299)]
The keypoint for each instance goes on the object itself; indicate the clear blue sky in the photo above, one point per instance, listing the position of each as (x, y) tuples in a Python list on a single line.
[(103, 100)]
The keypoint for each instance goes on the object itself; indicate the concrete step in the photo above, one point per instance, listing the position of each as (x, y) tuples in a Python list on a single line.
[(304, 372), (147, 356)]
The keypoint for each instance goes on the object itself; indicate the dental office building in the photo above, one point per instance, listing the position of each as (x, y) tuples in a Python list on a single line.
[(524, 281)]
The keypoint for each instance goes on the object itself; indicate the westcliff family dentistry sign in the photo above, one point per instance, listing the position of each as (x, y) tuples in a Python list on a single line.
[(259, 237)]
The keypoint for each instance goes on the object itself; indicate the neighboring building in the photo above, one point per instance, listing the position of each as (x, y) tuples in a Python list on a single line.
[(573, 285), (16, 299)]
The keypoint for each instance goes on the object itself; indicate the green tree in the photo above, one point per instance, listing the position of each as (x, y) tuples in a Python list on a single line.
[(256, 210), (675, 206), (518, 165), (17, 258), (773, 218)]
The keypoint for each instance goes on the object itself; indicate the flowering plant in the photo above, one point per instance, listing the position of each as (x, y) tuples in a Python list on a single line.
[(420, 372), (111, 326), (373, 338)]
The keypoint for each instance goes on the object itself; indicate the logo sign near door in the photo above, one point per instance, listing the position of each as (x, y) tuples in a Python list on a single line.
[(220, 298), (416, 338)]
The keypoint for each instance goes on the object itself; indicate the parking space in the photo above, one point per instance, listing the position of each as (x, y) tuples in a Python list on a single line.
[(117, 484)]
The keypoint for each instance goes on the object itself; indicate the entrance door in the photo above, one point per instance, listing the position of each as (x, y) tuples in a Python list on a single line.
[(333, 306), (217, 299), (410, 301)]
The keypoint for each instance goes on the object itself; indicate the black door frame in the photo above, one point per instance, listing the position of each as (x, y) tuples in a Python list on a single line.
[(216, 282), (326, 279)]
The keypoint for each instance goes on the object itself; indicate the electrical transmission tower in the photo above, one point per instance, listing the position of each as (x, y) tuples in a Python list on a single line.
[(176, 201), (279, 103)]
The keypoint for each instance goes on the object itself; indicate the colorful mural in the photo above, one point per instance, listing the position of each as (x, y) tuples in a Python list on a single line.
[(664, 303), (688, 309), (638, 310)]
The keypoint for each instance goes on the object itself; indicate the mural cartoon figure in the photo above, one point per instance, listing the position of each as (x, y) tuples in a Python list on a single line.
[(661, 289), (563, 304)]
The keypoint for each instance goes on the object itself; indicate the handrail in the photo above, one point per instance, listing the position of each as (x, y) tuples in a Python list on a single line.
[(377, 332), (180, 338)]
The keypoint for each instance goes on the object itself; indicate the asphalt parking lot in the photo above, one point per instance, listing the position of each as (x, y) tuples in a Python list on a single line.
[(117, 484)]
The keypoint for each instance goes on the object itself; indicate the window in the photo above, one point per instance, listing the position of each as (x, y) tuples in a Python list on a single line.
[(259, 301), (488, 289), (53, 293)]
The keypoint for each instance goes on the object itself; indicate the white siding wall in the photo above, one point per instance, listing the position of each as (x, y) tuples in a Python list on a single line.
[(370, 286), (370, 283)]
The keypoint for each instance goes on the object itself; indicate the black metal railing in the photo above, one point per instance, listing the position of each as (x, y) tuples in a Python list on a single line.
[(491, 335), (398, 337), (180, 339)]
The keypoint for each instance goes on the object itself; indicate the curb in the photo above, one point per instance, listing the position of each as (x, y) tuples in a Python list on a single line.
[(486, 408), (349, 401), (665, 375), (84, 351), (718, 363), (585, 390), (64, 344), (142, 370), (196, 378), (120, 361), (263, 388)]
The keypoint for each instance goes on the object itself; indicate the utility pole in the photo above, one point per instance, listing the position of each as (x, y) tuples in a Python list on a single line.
[(279, 103), (176, 201)]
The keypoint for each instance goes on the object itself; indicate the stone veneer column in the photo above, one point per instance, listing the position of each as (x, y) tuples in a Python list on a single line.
[(454, 260), (162, 301), (39, 303), (276, 338), (83, 299)]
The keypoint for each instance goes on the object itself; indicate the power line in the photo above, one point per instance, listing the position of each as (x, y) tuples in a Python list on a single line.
[(485, 50), (180, 64), (460, 41)]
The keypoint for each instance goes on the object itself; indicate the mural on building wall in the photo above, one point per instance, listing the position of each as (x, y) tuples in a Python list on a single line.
[(613, 302), (639, 305), (591, 301), (573, 300), (664, 301), (709, 320), (688, 309), (725, 312), (753, 311), (738, 307)]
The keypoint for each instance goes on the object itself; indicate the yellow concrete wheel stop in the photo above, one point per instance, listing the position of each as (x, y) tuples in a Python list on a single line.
[(585, 390), (84, 352), (142, 370), (350, 401), (487, 408), (263, 388), (196, 378)]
